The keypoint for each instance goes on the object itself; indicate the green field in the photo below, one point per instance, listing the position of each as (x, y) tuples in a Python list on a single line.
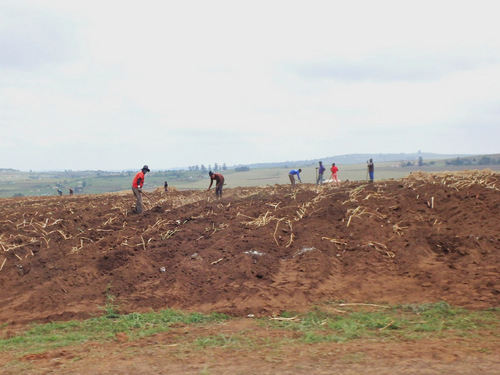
[(17, 183)]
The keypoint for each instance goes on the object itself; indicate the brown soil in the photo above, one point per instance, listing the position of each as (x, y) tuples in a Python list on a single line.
[(426, 238)]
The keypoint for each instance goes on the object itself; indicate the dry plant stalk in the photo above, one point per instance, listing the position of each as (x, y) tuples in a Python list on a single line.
[(292, 236), (216, 261), (169, 233), (3, 264), (397, 229), (262, 220), (380, 247), (292, 319), (335, 241), (64, 235), (274, 205), (362, 304)]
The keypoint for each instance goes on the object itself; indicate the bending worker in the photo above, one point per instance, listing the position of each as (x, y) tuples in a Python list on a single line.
[(219, 183), (137, 184), (292, 174)]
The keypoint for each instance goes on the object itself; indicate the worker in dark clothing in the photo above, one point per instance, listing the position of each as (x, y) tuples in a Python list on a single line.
[(371, 169), (137, 185), (70, 191), (219, 183), (166, 186)]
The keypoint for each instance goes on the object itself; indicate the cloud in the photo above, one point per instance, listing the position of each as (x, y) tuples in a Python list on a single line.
[(32, 37), (403, 66)]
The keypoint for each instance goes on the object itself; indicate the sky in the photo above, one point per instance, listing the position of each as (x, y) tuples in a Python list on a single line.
[(114, 85)]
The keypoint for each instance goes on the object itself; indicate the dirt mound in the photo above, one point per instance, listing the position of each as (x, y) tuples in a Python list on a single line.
[(262, 250)]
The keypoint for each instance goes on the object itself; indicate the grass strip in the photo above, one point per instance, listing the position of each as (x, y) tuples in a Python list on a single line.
[(409, 322), (401, 322), (42, 337)]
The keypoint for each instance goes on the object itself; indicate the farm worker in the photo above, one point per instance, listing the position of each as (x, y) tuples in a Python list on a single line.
[(70, 191), (59, 192), (219, 183), (334, 170), (292, 174), (321, 169), (137, 184), (371, 169), (166, 186)]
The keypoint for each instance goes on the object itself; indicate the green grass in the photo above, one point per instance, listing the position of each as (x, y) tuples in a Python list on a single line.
[(402, 322), (398, 322), (41, 337)]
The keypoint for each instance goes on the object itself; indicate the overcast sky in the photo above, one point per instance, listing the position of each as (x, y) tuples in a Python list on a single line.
[(113, 85)]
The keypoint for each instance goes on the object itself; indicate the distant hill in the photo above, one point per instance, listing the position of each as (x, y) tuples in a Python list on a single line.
[(359, 158)]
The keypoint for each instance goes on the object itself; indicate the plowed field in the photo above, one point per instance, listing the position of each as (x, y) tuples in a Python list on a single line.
[(260, 251)]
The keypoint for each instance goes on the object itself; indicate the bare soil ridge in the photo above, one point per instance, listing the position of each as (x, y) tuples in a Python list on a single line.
[(425, 238)]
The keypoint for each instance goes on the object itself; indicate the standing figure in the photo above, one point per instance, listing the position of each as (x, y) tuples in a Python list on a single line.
[(292, 174), (70, 191), (371, 169), (321, 169), (334, 169), (219, 183), (166, 186), (137, 184)]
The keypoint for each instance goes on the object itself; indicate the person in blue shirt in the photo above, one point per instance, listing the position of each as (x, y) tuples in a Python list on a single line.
[(292, 174), (321, 169)]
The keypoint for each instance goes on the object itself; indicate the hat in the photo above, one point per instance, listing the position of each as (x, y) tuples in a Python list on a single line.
[(146, 168)]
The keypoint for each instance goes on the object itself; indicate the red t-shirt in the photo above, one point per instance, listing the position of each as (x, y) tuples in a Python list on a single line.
[(218, 178), (334, 170), (136, 183)]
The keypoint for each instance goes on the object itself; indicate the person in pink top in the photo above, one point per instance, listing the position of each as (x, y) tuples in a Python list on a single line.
[(334, 170)]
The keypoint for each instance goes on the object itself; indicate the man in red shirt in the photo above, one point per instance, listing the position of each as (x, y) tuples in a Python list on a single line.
[(137, 184), (219, 183)]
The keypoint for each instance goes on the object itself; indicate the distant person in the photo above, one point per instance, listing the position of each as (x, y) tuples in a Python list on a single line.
[(59, 192), (292, 174), (219, 183), (334, 169), (70, 191), (371, 169), (321, 169), (166, 186), (137, 184)]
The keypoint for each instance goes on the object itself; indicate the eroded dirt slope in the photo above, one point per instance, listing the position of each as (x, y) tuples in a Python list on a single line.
[(258, 251)]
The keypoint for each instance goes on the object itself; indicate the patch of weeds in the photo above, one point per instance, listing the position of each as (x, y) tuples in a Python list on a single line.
[(405, 321), (110, 308), (223, 341), (41, 337)]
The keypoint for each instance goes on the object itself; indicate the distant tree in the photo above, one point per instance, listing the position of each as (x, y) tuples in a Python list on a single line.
[(224, 167), (216, 167), (485, 160), (209, 167), (242, 168), (203, 168), (420, 161), (18, 195)]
